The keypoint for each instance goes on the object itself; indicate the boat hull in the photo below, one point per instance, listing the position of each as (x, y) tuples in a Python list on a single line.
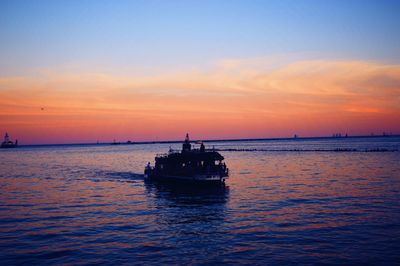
[(197, 179)]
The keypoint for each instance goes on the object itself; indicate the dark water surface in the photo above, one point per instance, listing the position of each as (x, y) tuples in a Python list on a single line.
[(90, 205)]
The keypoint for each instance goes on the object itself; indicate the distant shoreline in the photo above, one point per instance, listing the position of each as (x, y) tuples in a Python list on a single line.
[(210, 140)]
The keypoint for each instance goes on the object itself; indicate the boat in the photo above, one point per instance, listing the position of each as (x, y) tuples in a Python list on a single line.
[(7, 143), (189, 165)]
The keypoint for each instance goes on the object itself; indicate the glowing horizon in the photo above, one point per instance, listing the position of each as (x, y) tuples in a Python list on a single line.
[(308, 98), (216, 94)]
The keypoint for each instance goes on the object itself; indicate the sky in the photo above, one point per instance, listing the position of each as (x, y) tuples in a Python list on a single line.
[(87, 71)]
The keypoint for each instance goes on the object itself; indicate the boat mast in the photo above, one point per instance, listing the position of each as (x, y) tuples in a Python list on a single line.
[(186, 146)]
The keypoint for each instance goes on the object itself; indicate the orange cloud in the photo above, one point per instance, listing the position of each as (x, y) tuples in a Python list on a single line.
[(238, 98)]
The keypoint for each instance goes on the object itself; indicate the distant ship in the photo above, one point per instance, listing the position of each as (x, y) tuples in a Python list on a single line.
[(7, 143), (115, 143), (190, 165)]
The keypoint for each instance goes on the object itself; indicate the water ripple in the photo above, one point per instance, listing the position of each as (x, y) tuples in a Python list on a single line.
[(91, 205)]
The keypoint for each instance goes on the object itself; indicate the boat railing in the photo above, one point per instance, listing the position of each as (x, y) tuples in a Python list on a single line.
[(163, 154), (220, 169), (173, 151)]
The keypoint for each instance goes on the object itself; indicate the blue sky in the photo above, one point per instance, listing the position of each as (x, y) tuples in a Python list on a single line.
[(173, 34), (144, 70)]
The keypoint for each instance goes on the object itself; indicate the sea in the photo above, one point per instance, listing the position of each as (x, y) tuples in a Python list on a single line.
[(286, 202)]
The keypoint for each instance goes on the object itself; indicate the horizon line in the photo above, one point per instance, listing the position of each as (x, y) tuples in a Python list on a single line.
[(128, 142)]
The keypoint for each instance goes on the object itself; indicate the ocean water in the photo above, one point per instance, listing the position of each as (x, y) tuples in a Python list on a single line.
[(286, 202)]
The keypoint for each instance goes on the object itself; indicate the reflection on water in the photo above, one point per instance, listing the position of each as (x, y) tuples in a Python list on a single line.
[(194, 205), (90, 205), (193, 218), (187, 194)]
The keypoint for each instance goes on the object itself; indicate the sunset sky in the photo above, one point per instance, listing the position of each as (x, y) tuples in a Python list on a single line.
[(87, 71)]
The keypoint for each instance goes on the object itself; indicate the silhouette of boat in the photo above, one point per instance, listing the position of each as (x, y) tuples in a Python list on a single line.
[(188, 165), (7, 143)]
